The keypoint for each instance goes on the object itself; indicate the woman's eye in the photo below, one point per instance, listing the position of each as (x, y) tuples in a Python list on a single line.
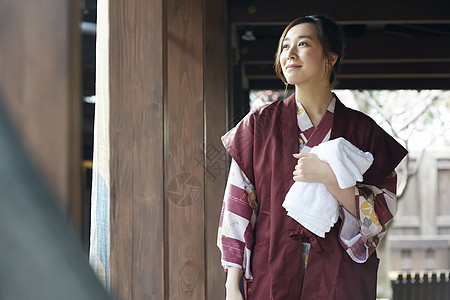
[(285, 46), (302, 44)]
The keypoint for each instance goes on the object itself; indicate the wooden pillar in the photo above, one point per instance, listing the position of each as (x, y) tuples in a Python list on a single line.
[(40, 81), (136, 88), (166, 82), (185, 163), (216, 65)]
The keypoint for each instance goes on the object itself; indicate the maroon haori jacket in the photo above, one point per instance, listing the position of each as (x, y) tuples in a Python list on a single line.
[(262, 144)]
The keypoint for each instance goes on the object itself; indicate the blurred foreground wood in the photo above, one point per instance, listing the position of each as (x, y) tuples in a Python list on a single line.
[(41, 256)]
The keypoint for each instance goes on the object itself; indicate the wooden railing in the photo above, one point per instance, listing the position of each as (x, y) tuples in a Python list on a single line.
[(424, 285)]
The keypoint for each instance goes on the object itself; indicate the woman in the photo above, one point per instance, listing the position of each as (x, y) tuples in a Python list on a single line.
[(277, 256)]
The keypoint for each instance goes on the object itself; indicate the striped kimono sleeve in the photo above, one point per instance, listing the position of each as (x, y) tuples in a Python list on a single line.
[(237, 220), (375, 206)]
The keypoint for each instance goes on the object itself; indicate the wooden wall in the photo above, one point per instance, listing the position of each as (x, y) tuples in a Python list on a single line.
[(184, 176), (215, 94), (136, 84), (420, 234), (167, 88), (40, 81)]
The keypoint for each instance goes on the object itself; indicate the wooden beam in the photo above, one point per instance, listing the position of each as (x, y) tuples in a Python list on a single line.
[(185, 143), (381, 46), (215, 93), (376, 69), (40, 80), (167, 98), (367, 83), (371, 46), (348, 11), (134, 81), (374, 57)]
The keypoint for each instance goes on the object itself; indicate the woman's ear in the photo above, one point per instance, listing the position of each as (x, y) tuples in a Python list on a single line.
[(332, 58)]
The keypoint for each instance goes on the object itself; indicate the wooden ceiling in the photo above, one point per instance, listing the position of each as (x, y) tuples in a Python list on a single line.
[(389, 44)]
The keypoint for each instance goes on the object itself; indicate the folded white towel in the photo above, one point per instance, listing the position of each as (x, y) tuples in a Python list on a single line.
[(310, 203)]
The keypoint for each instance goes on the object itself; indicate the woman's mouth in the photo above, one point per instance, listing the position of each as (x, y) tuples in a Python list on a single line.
[(292, 67)]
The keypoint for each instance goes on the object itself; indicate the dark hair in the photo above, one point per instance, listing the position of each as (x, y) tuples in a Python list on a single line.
[(330, 36)]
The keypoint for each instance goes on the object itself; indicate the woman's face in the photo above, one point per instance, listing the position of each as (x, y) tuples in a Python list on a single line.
[(302, 59)]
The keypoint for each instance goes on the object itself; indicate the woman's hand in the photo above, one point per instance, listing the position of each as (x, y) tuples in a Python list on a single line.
[(232, 285), (310, 168)]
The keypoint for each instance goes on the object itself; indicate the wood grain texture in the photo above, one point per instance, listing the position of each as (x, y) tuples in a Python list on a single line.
[(185, 139), (40, 80), (136, 89), (215, 93), (167, 85)]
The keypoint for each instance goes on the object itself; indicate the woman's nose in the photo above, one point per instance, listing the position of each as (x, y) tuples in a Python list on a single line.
[(291, 53)]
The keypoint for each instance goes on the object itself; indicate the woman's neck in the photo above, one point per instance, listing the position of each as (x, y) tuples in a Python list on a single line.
[(315, 101)]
